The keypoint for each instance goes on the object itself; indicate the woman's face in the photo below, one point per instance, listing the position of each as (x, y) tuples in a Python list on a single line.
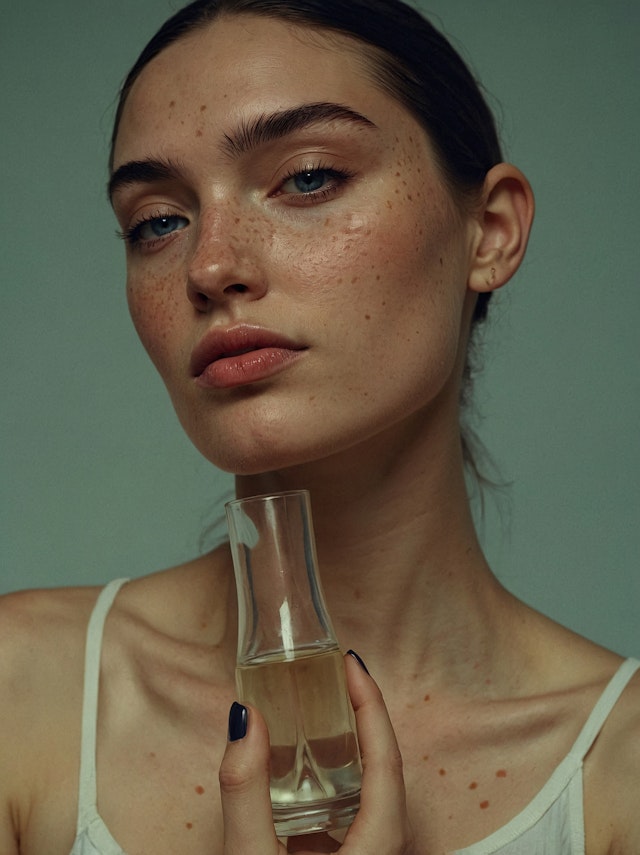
[(297, 270)]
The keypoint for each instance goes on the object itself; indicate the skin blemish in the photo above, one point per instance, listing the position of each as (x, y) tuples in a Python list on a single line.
[(198, 133), (501, 773), (484, 805), (172, 104), (442, 772), (188, 826), (473, 785), (203, 107), (427, 698), (199, 790), (425, 757), (367, 317)]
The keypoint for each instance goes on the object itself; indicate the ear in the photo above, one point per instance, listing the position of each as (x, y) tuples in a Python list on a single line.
[(503, 226)]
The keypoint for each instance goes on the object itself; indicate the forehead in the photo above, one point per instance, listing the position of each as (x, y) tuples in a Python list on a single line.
[(244, 63)]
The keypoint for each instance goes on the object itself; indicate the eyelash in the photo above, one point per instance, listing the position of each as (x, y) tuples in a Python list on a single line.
[(338, 177), (132, 235)]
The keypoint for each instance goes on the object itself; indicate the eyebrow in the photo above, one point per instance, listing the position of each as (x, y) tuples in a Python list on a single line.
[(248, 136), (273, 126), (141, 172)]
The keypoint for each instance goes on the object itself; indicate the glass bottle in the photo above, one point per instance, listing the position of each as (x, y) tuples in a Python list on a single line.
[(289, 664)]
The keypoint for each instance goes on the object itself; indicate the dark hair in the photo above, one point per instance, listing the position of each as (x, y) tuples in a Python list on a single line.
[(412, 61)]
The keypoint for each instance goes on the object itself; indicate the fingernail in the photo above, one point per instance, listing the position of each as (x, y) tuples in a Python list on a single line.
[(358, 660), (237, 722)]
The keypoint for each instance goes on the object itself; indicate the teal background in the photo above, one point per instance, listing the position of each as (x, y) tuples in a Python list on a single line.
[(97, 477)]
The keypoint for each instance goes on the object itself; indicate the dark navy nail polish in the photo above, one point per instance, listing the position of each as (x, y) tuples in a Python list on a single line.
[(237, 722), (359, 661)]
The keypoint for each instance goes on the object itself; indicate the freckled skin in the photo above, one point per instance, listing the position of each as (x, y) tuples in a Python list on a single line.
[(311, 273)]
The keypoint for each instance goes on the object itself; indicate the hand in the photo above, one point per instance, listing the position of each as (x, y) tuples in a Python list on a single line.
[(381, 826)]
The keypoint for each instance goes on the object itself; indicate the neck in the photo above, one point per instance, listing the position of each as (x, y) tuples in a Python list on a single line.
[(406, 583)]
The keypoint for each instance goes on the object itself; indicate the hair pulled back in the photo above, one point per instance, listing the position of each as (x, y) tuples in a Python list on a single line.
[(412, 61)]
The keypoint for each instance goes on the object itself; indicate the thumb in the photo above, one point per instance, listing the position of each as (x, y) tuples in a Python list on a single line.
[(244, 786)]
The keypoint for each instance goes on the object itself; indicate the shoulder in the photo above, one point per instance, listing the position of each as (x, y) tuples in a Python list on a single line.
[(612, 776), (41, 646), (41, 672)]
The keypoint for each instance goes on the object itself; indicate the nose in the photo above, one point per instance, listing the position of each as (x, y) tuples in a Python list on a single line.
[(225, 264)]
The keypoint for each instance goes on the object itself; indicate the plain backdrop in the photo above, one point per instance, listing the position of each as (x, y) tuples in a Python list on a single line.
[(97, 478)]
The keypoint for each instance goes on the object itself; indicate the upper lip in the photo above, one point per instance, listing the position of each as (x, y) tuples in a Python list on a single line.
[(233, 341)]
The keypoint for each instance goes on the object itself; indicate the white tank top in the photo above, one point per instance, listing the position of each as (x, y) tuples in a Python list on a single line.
[(551, 824)]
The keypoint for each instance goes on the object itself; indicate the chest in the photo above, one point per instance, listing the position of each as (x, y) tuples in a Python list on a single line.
[(158, 759)]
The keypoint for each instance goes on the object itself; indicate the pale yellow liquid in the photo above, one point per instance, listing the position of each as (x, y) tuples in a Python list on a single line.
[(315, 762)]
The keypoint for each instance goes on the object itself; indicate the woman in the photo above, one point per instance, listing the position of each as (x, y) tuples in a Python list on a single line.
[(316, 214)]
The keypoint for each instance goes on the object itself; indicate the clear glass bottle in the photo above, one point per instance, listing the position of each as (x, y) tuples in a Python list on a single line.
[(289, 664)]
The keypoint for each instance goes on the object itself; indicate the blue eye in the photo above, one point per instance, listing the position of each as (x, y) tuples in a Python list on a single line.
[(309, 182), (154, 228), (317, 182)]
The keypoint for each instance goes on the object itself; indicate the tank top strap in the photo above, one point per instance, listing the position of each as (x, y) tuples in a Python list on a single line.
[(88, 796), (603, 707)]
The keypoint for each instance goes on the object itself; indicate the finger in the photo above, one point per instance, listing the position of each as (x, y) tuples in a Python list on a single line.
[(381, 824), (244, 786)]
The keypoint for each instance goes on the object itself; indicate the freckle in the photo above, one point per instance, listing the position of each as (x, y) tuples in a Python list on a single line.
[(409, 197), (501, 773), (441, 262), (442, 771), (199, 790), (198, 133), (152, 754), (188, 825), (484, 805), (425, 757), (367, 317), (354, 280), (172, 103), (427, 697), (473, 785), (203, 107)]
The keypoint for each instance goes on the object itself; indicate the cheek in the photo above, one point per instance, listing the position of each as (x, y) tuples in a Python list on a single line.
[(154, 308)]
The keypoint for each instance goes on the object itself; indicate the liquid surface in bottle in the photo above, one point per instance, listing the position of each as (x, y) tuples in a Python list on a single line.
[(314, 751)]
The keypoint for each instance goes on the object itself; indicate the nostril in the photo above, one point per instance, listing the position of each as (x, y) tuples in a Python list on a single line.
[(236, 288)]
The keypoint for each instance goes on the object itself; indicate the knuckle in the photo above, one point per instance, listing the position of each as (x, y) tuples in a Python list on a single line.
[(234, 778)]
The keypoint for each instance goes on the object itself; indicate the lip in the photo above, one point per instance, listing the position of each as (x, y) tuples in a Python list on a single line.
[(239, 355)]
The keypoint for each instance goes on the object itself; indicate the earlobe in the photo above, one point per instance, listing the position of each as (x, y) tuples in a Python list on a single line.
[(504, 224)]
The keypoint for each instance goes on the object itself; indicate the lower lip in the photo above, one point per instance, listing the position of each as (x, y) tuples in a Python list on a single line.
[(232, 371)]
